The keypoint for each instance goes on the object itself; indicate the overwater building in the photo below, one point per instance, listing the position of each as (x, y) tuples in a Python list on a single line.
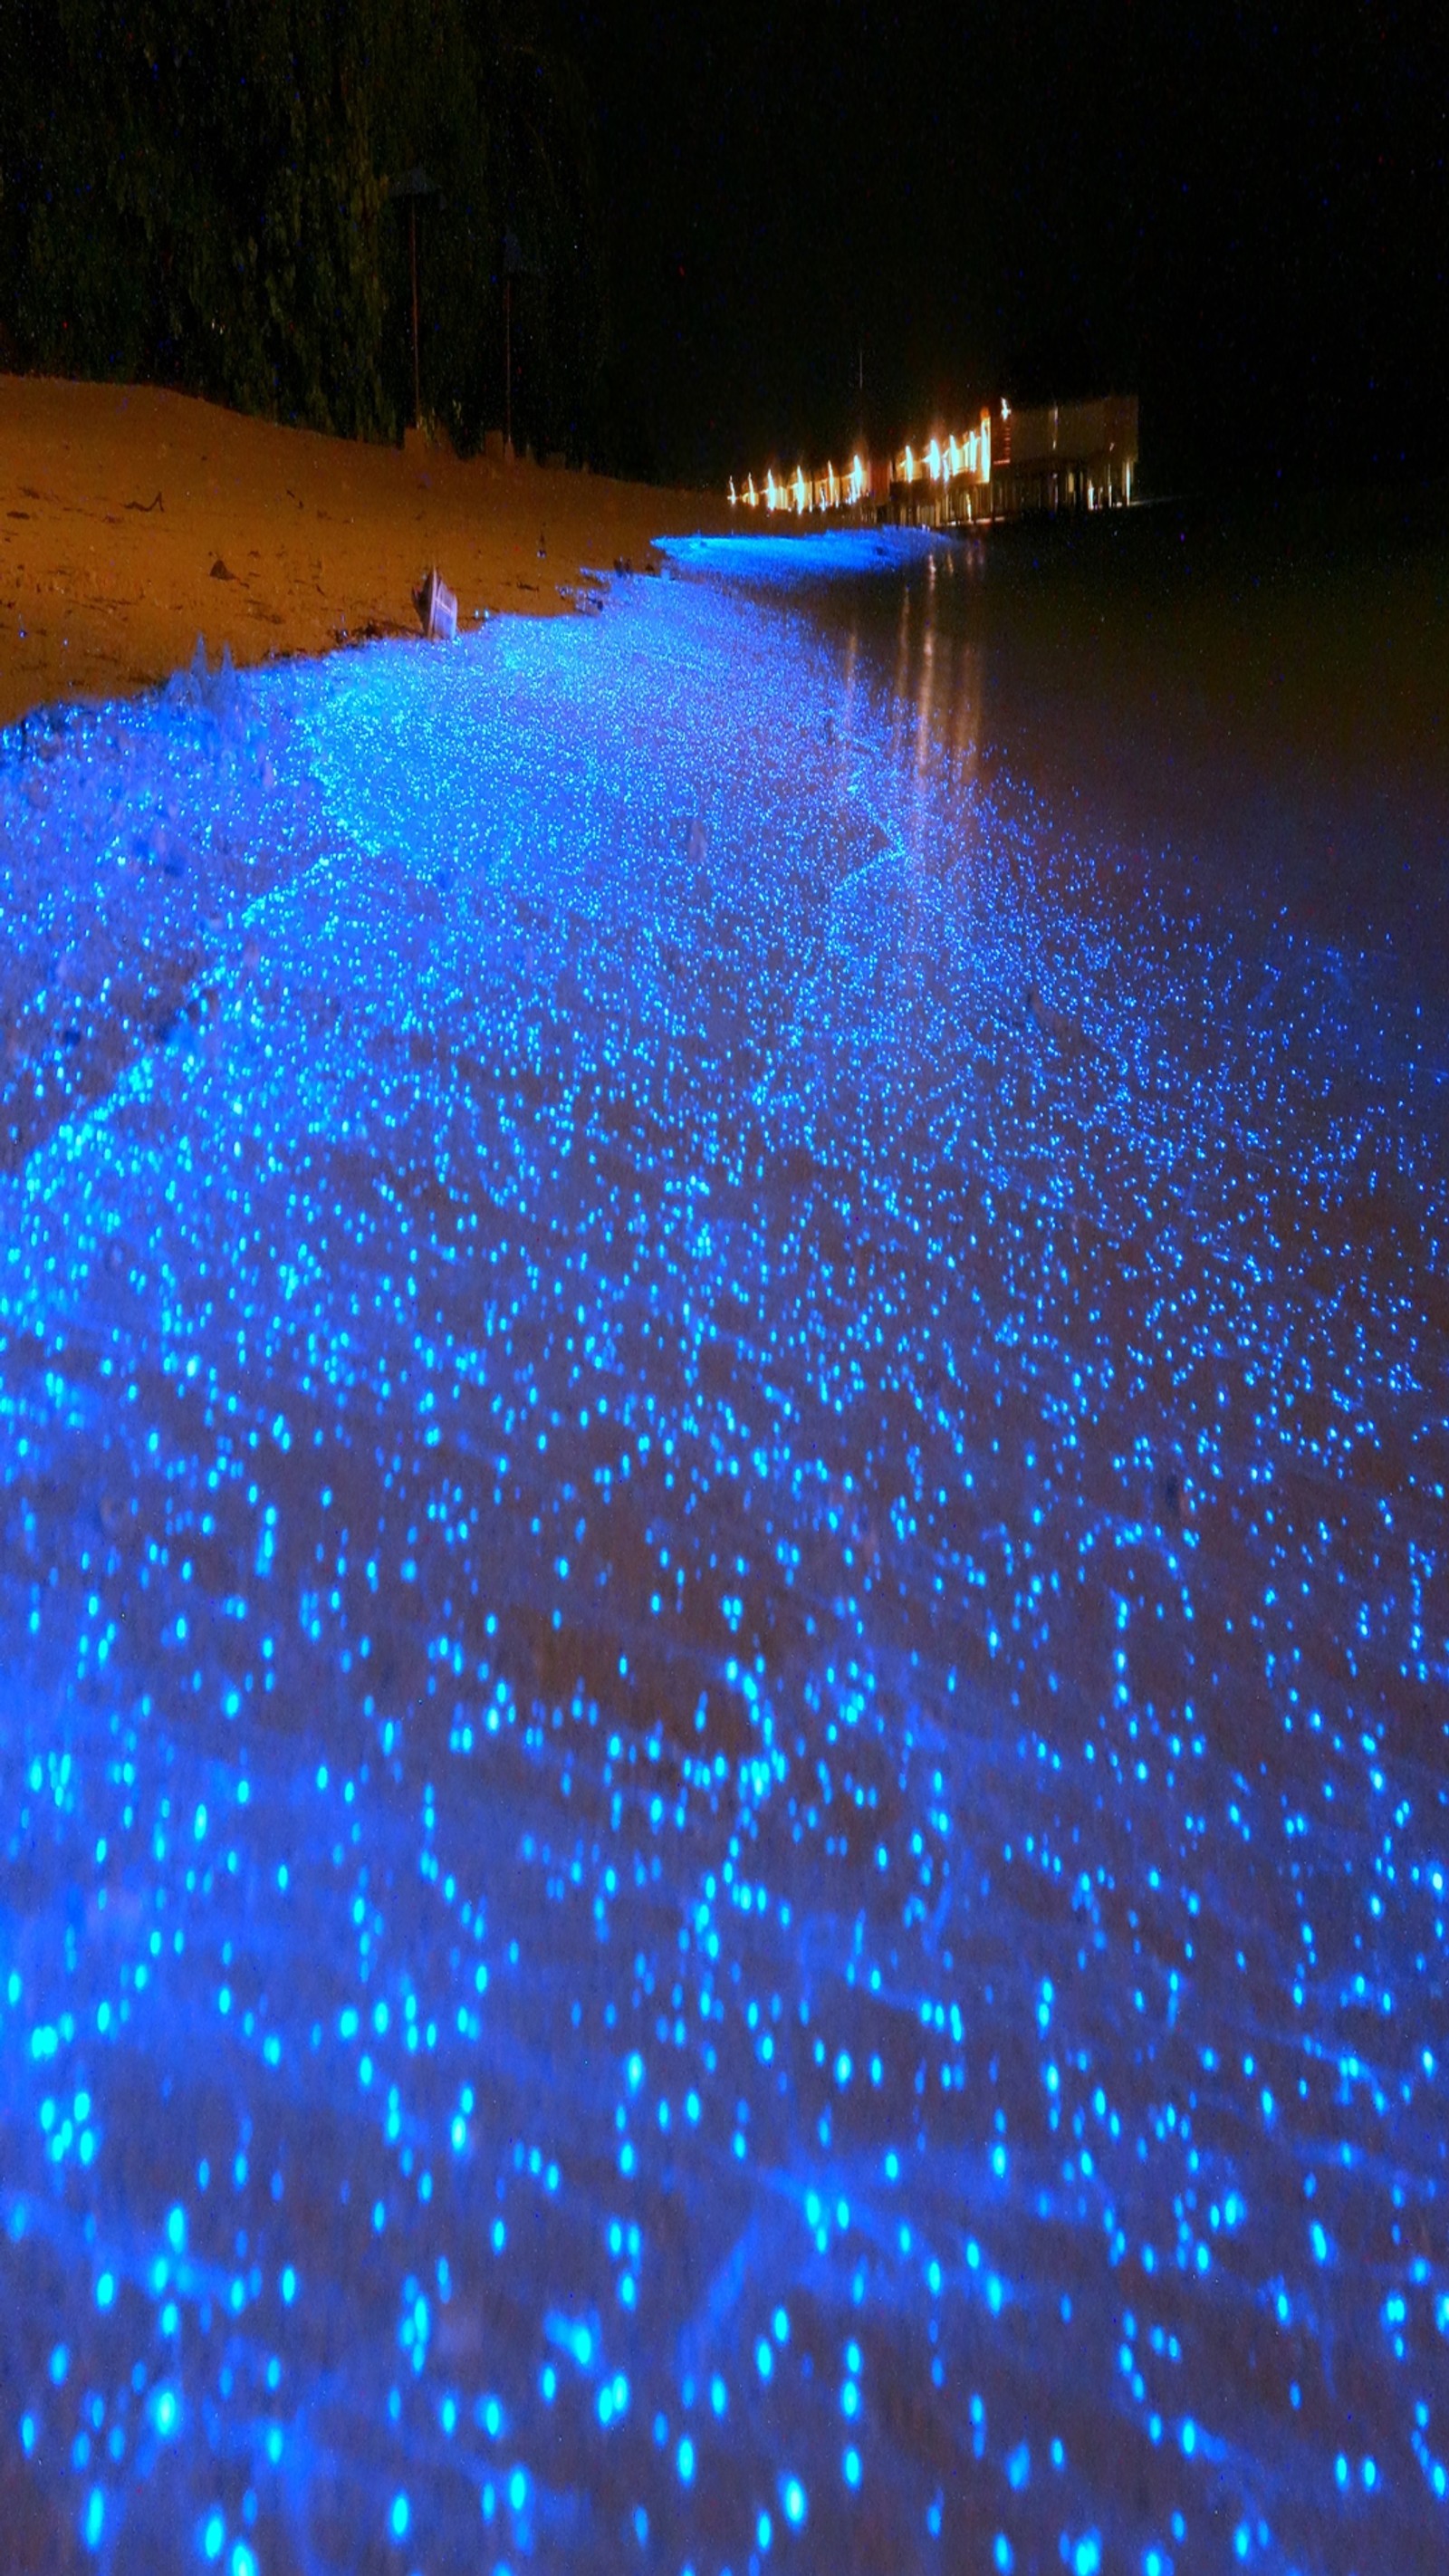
[(1044, 457)]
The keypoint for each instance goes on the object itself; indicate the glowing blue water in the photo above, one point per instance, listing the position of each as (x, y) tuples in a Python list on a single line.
[(724, 1637)]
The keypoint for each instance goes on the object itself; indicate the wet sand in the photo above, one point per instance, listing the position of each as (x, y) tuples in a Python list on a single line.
[(133, 520)]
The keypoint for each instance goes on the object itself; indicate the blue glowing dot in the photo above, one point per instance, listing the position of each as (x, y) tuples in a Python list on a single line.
[(850, 2465), (95, 2517), (686, 2459), (213, 2536), (399, 2517), (1002, 2555), (792, 2497)]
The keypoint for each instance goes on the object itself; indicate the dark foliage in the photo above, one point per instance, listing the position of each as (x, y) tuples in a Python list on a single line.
[(199, 195)]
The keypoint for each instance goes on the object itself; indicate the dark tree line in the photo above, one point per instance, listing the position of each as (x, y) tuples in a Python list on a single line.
[(197, 193)]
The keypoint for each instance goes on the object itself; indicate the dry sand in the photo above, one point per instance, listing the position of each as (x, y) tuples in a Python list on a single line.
[(133, 520)]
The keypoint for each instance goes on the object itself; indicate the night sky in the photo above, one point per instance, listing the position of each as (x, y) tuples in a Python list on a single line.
[(1240, 213)]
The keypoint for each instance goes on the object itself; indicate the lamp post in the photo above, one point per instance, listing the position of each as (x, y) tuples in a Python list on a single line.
[(415, 186), (514, 265)]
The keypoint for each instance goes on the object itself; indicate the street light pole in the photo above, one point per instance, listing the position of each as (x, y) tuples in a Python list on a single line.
[(416, 184), (413, 257), (514, 265)]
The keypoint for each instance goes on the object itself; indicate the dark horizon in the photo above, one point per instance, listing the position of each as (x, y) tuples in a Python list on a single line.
[(750, 237), (1244, 225)]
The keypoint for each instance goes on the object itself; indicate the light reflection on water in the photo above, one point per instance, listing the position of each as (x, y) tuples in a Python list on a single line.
[(725, 1631)]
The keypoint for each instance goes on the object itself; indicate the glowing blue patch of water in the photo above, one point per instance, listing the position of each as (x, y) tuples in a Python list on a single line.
[(787, 563), (724, 1625)]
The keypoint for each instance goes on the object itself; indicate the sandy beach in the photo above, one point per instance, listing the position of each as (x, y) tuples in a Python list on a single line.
[(724, 1319), (133, 520)]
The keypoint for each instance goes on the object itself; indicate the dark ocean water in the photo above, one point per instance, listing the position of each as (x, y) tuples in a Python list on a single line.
[(722, 1581)]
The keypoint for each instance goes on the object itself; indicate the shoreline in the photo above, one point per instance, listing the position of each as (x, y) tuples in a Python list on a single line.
[(133, 519)]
